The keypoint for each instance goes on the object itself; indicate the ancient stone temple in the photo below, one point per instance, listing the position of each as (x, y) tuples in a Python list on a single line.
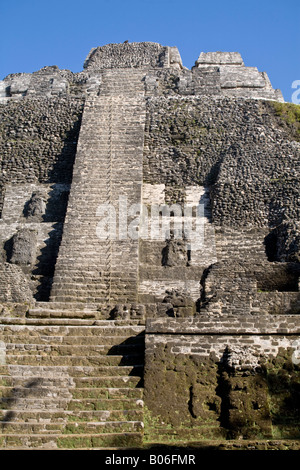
[(150, 248)]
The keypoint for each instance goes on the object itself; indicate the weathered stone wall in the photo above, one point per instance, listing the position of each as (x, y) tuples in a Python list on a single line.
[(38, 145), (38, 140), (231, 146), (235, 377), (190, 142), (230, 287)]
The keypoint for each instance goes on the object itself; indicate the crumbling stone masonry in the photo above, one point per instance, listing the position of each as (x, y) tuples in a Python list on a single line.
[(113, 334)]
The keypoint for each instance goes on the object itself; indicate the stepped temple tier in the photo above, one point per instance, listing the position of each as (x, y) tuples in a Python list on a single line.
[(150, 254)]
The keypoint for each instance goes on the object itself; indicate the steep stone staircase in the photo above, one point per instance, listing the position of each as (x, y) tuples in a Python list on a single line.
[(92, 267), (71, 383)]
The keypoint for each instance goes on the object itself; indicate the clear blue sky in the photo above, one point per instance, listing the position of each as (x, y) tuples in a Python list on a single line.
[(35, 33)]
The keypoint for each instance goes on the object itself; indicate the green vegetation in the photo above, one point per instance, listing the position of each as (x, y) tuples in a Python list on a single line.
[(290, 114)]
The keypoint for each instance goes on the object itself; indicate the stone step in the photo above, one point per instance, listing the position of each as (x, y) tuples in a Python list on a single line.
[(55, 350), (91, 290), (73, 360), (97, 287), (87, 293), (88, 340), (37, 416), (12, 394), (62, 306), (94, 427), (48, 321), (104, 427), (104, 404), (126, 297), (205, 431), (127, 79), (73, 281), (81, 382), (29, 372), (125, 327), (54, 441), (134, 393), (102, 254), (61, 404), (47, 328), (126, 82), (115, 89), (109, 382), (43, 313)]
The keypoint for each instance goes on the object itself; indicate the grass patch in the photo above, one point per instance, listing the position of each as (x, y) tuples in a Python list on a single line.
[(290, 114)]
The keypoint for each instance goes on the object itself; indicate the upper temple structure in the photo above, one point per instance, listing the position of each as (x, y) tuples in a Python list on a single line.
[(149, 254), (214, 73)]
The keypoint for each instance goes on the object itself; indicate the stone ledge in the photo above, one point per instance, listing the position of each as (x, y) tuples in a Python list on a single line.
[(229, 325)]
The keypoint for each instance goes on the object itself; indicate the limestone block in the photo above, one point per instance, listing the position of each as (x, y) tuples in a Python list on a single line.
[(241, 77), (174, 57), (3, 89), (19, 84), (218, 58)]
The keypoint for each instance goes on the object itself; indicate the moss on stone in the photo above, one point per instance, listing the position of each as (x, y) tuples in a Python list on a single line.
[(283, 378), (181, 395), (74, 442), (189, 397)]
